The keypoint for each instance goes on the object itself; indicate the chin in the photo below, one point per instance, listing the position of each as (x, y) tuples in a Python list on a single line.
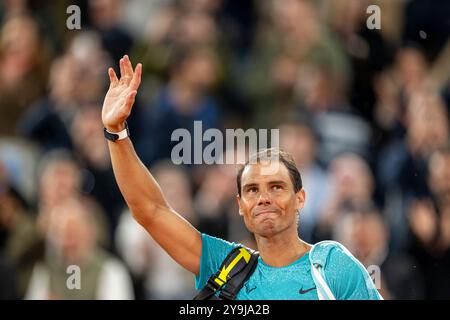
[(266, 228)]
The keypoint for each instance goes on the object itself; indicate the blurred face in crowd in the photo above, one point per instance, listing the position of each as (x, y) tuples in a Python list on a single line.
[(220, 180), (62, 81), (104, 12), (72, 231), (369, 235), (428, 127), (268, 202), (284, 74), (60, 180), (354, 12), (299, 141), (176, 187), (87, 135), (412, 68), (18, 47), (352, 178), (439, 175), (13, 6), (90, 62), (197, 29), (200, 70), (296, 18), (320, 87)]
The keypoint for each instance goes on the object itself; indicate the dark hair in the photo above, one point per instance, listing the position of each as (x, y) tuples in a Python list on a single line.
[(274, 154)]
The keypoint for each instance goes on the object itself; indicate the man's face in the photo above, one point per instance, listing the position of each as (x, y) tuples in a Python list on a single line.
[(268, 203)]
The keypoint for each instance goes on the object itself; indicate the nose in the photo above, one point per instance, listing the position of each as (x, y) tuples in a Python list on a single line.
[(264, 199)]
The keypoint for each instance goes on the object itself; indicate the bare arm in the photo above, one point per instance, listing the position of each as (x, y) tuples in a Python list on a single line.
[(140, 190)]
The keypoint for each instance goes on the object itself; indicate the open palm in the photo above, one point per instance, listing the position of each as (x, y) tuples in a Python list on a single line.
[(121, 95)]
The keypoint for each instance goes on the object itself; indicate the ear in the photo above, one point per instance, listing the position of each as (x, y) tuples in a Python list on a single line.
[(238, 199), (300, 198)]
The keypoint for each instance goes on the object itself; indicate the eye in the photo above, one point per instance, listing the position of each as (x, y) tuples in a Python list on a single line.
[(277, 187), (252, 189)]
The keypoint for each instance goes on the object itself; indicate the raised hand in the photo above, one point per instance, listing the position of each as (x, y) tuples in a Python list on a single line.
[(121, 95)]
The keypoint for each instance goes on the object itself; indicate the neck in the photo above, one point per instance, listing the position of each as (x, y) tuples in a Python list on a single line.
[(281, 250)]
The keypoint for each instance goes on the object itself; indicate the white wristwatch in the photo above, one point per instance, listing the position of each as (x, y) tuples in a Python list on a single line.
[(115, 136)]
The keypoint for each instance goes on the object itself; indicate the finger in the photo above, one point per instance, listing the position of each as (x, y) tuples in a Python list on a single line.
[(128, 69), (122, 69), (112, 77), (136, 81)]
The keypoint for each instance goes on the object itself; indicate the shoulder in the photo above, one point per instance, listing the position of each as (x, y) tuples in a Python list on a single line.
[(334, 255), (214, 251), (215, 248), (322, 252), (346, 276)]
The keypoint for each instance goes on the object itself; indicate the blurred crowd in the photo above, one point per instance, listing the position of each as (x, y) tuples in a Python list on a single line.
[(365, 114)]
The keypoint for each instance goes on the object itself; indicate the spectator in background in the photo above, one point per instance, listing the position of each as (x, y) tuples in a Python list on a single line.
[(20, 243), (412, 68), (439, 176), (23, 69), (60, 179), (291, 30), (367, 50), (364, 232), (46, 121), (403, 168), (136, 14), (394, 87), (172, 30), (324, 95), (161, 276), (72, 240), (186, 98), (90, 60), (105, 19), (12, 7), (214, 200), (91, 150), (352, 185), (299, 139), (75, 79), (429, 222)]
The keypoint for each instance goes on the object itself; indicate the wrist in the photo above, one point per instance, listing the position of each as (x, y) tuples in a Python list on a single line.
[(115, 133), (115, 128)]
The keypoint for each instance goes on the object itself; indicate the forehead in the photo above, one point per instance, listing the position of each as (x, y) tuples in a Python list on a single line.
[(265, 172)]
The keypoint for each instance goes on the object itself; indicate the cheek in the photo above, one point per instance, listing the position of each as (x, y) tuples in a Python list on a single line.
[(249, 223), (246, 205)]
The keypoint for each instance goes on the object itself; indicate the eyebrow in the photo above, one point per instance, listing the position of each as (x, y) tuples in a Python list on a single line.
[(245, 186), (270, 182), (278, 182)]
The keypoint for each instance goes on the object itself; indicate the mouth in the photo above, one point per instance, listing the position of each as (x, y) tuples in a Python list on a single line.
[(265, 213)]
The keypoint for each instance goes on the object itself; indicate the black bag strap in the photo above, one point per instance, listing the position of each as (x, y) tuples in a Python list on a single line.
[(233, 272), (235, 284)]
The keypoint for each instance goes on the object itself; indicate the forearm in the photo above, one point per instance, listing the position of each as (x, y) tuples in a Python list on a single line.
[(140, 190)]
